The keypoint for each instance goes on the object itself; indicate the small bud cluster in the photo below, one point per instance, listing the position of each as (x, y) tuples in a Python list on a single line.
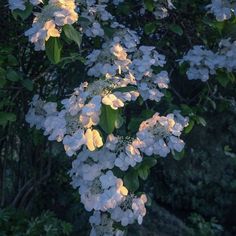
[(161, 8)]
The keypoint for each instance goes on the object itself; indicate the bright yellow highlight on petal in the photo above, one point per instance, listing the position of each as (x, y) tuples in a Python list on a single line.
[(94, 140), (171, 123), (124, 191), (51, 30)]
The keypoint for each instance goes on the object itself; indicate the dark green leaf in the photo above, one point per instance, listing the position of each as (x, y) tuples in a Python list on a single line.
[(200, 120), (13, 75), (11, 60), (143, 172), (125, 89), (149, 4), (150, 162), (124, 8), (28, 84), (119, 121), (176, 29), (23, 14), (189, 127), (131, 180), (72, 34), (2, 82), (6, 117), (2, 77), (134, 124), (53, 49), (109, 31), (179, 155), (108, 118), (222, 78), (149, 28)]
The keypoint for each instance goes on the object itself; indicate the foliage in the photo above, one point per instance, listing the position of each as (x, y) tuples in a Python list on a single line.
[(14, 222)]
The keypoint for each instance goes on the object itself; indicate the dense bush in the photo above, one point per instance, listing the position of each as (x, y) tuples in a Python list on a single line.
[(191, 190)]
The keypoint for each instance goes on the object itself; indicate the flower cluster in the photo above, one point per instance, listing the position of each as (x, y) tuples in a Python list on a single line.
[(102, 224), (126, 151), (222, 9), (204, 63), (72, 125), (50, 20), (120, 60), (119, 72), (102, 192), (161, 134), (94, 13)]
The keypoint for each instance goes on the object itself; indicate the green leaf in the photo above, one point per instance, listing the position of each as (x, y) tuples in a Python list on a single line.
[(109, 31), (125, 89), (11, 60), (200, 120), (2, 77), (131, 180), (6, 117), (2, 82), (53, 49), (133, 125), (179, 155), (176, 29), (66, 228), (149, 28), (143, 172), (72, 34), (124, 8), (149, 4), (108, 119), (13, 75), (28, 84), (222, 78), (149, 161), (219, 26), (119, 121), (189, 127), (37, 137), (23, 14)]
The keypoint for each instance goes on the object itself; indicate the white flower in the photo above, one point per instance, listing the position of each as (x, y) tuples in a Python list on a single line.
[(107, 180), (93, 139), (36, 2), (90, 112), (112, 101), (20, 4), (95, 30), (38, 112), (126, 150), (55, 126), (73, 143), (159, 134), (102, 225), (138, 206), (76, 102), (131, 209), (118, 51), (204, 63), (46, 23), (16, 4), (221, 9)]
